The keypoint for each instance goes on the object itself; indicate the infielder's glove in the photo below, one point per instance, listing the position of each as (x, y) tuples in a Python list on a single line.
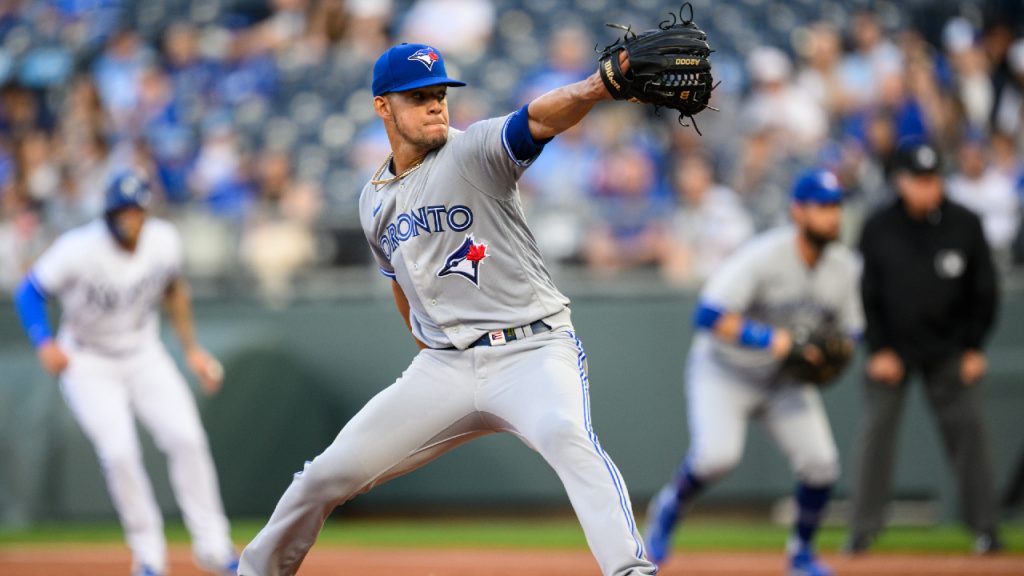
[(818, 357), (668, 67)]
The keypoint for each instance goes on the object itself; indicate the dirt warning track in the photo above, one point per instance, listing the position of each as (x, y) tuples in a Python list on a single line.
[(110, 560)]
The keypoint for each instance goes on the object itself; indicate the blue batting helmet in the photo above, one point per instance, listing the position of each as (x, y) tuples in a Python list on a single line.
[(127, 189)]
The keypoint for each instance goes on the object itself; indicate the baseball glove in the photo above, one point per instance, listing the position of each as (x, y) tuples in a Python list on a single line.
[(668, 67), (818, 357)]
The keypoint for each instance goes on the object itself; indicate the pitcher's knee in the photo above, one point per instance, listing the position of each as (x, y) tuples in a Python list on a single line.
[(560, 433), (332, 481)]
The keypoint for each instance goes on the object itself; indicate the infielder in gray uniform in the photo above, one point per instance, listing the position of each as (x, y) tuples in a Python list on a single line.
[(497, 350), (786, 280)]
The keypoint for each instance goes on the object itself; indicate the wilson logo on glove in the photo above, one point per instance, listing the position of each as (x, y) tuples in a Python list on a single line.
[(667, 67)]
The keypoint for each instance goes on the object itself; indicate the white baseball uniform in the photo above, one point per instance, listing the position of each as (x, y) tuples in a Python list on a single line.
[(119, 369), (767, 281), (453, 235)]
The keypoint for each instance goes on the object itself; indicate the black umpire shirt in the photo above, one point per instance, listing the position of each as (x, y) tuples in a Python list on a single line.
[(929, 286)]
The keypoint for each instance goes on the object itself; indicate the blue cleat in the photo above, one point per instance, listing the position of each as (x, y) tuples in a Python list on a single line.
[(147, 571), (805, 563), (662, 516)]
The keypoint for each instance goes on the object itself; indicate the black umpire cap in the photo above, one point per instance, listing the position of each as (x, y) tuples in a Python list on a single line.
[(918, 157)]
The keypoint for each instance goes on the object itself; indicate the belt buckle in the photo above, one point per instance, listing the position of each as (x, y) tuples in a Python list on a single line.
[(496, 338)]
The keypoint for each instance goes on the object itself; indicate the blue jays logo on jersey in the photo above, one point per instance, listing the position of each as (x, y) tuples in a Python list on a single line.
[(465, 261), (425, 56)]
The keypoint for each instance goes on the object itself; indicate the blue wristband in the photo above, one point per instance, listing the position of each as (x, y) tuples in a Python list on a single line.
[(755, 334)]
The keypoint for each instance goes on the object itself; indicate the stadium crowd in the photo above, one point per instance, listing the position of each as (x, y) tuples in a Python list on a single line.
[(252, 118)]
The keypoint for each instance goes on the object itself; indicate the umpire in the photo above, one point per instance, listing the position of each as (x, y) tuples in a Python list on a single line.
[(929, 291)]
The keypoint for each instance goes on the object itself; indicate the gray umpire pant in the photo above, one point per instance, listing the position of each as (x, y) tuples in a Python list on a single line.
[(957, 408)]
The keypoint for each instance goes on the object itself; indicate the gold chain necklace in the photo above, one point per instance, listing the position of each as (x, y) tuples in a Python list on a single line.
[(377, 181)]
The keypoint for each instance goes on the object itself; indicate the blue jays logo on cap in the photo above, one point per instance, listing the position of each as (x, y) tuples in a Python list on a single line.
[(818, 187), (410, 66), (425, 55), (465, 261)]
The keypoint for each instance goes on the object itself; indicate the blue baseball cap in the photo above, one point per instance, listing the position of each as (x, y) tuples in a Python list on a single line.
[(817, 186), (127, 189), (408, 66)]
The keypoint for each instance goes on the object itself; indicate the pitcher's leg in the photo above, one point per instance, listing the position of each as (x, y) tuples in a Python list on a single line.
[(166, 407), (426, 412), (101, 406), (542, 392)]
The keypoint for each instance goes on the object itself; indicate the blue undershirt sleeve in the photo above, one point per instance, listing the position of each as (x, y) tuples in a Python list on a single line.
[(31, 304), (518, 141), (707, 316)]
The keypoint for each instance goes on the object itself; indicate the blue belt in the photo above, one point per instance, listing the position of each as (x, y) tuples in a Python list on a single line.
[(506, 335)]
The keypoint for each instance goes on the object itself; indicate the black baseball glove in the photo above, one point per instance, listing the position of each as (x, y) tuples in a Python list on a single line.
[(818, 357), (668, 66)]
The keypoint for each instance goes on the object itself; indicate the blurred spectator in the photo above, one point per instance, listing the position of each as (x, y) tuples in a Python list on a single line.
[(193, 77), (38, 172), (998, 40), (366, 34), (570, 59), (21, 238), (708, 224), (278, 241), (821, 52), (219, 177), (1009, 106), (873, 58), (21, 111), (988, 193), (117, 73), (83, 181), (971, 66), (250, 71), (762, 180), (629, 230), (161, 121), (557, 199), (461, 29), (924, 245), (795, 121)]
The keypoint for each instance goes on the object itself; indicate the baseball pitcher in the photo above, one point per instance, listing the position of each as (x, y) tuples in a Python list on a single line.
[(109, 276), (498, 352), (778, 319)]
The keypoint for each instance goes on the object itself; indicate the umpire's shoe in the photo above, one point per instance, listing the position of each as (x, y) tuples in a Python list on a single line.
[(988, 543), (857, 544), (662, 516), (804, 562)]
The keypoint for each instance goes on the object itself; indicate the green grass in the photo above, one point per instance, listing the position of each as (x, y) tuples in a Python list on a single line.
[(698, 535)]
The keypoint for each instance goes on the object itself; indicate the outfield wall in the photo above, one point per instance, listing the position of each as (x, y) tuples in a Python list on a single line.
[(296, 375)]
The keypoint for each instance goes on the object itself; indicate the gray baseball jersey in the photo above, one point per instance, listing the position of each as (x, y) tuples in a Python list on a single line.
[(727, 384), (454, 237), (767, 281), (452, 234)]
